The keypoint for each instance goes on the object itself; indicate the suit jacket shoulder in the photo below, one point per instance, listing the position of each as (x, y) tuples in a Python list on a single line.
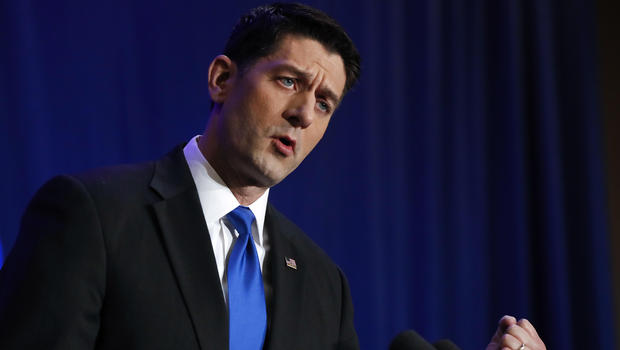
[(117, 257)]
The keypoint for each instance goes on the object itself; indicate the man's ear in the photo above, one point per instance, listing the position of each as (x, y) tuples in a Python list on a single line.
[(222, 71)]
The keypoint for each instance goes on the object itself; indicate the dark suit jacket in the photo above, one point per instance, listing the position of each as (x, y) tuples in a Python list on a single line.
[(120, 258)]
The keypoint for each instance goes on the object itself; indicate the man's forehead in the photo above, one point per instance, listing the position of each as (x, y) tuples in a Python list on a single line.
[(307, 57)]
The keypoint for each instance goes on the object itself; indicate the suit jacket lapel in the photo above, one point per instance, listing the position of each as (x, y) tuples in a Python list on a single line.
[(287, 283), (189, 248)]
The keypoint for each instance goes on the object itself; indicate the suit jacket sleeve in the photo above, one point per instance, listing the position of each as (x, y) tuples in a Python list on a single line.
[(53, 281)]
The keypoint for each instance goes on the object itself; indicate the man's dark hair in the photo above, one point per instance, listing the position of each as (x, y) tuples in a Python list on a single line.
[(258, 34)]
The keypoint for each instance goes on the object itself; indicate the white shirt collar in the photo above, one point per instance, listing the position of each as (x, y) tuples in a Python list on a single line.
[(216, 198)]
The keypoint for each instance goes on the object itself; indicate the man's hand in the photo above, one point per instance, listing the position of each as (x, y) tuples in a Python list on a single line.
[(513, 335)]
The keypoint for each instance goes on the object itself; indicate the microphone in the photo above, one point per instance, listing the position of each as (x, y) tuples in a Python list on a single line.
[(410, 340), (445, 344)]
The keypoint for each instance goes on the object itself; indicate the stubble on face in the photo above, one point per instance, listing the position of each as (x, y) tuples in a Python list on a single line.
[(265, 128)]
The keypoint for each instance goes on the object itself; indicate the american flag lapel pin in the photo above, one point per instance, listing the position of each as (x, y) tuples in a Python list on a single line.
[(290, 262)]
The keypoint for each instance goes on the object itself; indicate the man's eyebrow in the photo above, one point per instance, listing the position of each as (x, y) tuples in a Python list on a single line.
[(325, 92), (296, 71), (330, 95)]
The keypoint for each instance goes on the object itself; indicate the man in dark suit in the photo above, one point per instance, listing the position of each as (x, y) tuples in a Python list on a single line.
[(158, 256), (135, 257)]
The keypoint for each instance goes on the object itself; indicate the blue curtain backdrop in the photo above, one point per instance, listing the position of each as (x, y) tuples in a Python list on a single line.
[(460, 181)]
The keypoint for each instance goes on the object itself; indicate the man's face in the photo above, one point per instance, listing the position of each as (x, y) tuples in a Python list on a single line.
[(276, 111)]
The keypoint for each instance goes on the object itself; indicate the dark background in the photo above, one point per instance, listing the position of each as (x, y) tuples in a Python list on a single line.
[(464, 178)]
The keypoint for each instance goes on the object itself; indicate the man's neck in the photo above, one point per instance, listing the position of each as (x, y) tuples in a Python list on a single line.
[(248, 194), (245, 194)]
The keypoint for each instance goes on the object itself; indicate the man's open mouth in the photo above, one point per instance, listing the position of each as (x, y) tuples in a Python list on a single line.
[(285, 145)]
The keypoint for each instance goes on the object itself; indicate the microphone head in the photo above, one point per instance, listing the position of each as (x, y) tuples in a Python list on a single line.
[(445, 344), (410, 340)]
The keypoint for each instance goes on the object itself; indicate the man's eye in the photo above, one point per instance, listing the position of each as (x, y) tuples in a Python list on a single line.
[(323, 106), (288, 82)]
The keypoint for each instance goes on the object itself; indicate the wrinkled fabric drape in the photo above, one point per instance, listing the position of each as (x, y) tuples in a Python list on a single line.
[(461, 180)]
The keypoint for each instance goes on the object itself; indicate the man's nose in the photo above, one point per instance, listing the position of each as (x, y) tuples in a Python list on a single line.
[(301, 111)]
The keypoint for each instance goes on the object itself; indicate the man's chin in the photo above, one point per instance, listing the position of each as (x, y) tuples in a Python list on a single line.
[(270, 180), (272, 170), (272, 177)]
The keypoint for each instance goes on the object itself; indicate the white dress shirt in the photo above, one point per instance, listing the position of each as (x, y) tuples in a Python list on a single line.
[(217, 200)]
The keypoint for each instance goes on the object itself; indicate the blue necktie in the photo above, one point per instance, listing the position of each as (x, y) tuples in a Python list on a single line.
[(246, 296)]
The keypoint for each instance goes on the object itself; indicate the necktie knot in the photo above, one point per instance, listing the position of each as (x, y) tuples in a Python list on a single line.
[(242, 217)]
